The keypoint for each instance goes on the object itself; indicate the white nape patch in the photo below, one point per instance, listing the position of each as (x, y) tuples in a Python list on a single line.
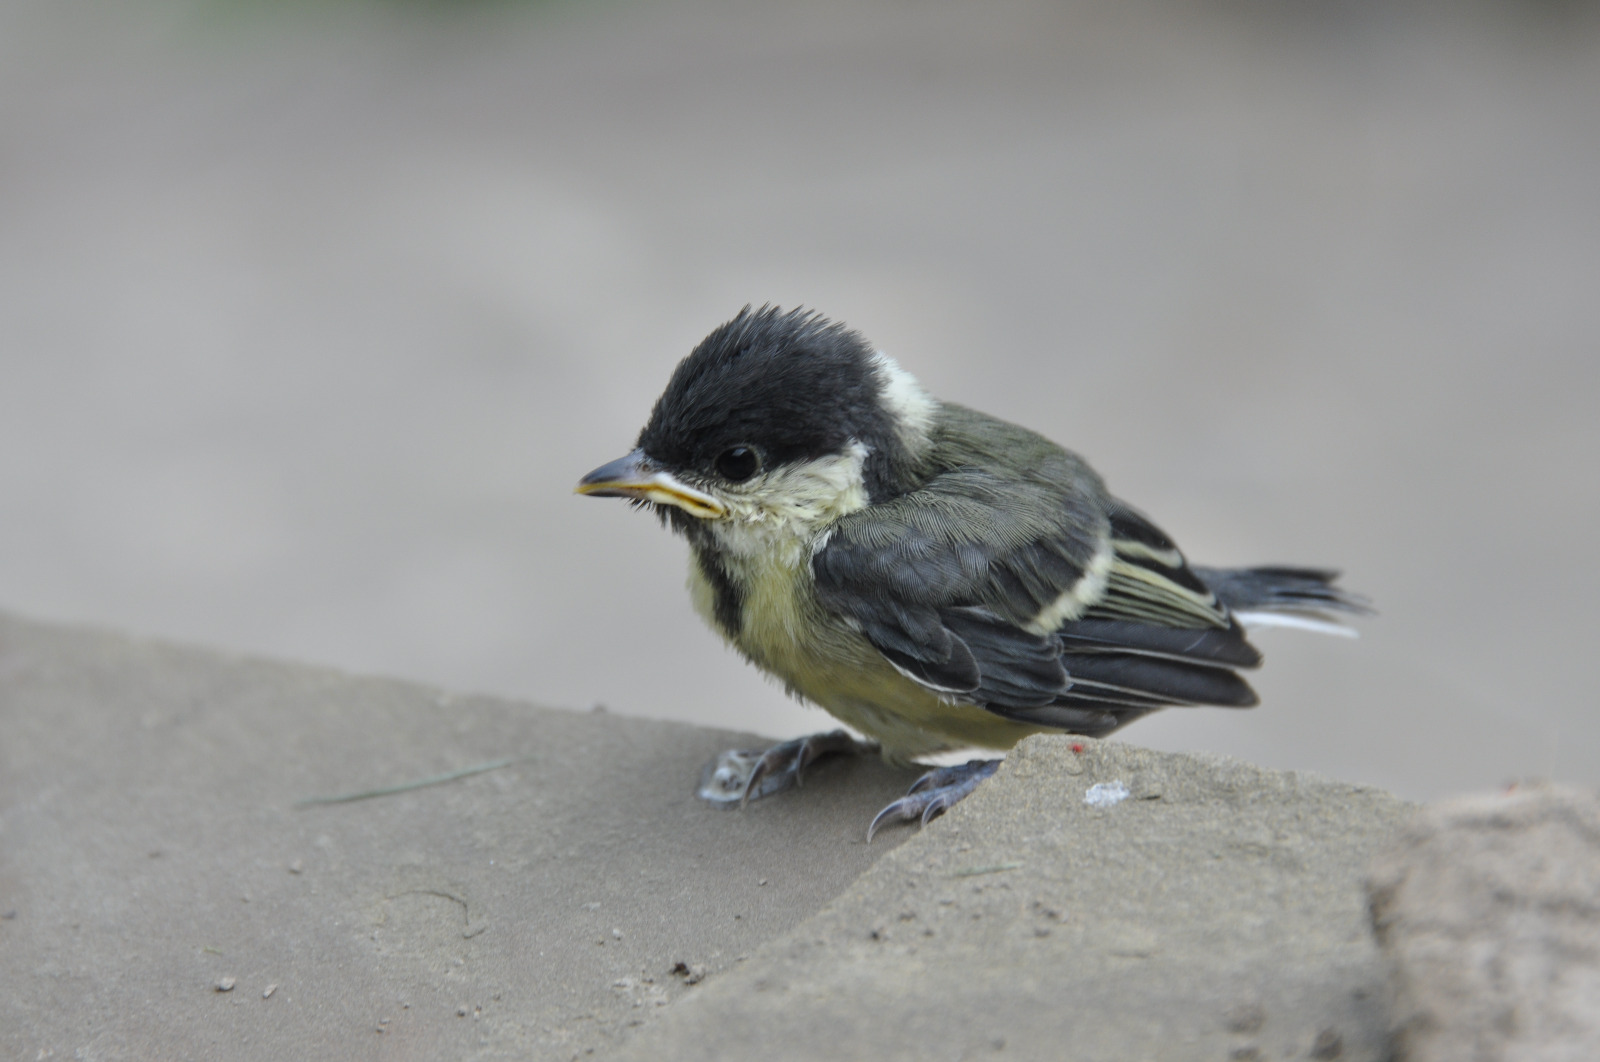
[(911, 407), (1257, 620), (775, 517), (1076, 599), (1106, 794)]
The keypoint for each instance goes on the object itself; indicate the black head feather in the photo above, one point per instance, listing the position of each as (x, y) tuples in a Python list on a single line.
[(792, 385)]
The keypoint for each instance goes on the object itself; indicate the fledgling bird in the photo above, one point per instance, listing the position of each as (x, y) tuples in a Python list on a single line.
[(931, 576)]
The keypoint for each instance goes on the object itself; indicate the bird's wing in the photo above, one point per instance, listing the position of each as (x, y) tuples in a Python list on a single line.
[(1047, 604)]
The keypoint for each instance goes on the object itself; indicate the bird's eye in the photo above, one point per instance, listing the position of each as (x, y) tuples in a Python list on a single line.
[(738, 463)]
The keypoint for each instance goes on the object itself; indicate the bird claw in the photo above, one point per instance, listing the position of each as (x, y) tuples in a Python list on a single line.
[(741, 775), (934, 793)]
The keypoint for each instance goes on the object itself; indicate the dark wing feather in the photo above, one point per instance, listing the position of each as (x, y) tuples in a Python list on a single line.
[(1283, 588), (1219, 647), (944, 579), (949, 582), (1015, 668), (967, 538), (1150, 582)]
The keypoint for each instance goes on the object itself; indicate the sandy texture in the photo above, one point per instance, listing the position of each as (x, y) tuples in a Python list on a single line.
[(164, 896), (1488, 907), (1215, 912), (150, 851)]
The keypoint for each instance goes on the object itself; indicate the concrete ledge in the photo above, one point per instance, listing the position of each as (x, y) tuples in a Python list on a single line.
[(1488, 909), (150, 848), (1216, 911), (163, 895)]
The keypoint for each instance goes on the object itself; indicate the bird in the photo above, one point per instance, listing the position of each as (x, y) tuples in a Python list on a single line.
[(935, 578)]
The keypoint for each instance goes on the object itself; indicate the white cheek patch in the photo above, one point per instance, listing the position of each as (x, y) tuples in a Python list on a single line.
[(911, 407), (785, 507)]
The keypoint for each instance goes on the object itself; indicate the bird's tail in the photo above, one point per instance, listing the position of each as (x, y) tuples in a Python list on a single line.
[(1277, 596)]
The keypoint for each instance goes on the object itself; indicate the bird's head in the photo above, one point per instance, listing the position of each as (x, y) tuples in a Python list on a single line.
[(779, 418)]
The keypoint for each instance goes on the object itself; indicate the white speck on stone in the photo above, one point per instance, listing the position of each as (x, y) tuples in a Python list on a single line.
[(1105, 794)]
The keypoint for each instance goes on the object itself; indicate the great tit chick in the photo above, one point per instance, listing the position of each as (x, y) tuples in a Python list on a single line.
[(931, 576)]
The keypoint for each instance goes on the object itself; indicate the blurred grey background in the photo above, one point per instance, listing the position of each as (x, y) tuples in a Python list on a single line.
[(311, 314)]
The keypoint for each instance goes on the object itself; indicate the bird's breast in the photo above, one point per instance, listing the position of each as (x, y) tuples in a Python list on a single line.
[(764, 602), (765, 605)]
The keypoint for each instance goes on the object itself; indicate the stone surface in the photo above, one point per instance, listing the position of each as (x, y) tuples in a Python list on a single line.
[(1216, 913), (1488, 908), (164, 893), (162, 896)]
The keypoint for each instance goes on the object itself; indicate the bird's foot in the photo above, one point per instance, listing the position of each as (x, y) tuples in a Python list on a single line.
[(739, 776), (935, 793)]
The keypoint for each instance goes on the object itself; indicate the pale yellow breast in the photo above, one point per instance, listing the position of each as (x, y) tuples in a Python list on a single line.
[(818, 658)]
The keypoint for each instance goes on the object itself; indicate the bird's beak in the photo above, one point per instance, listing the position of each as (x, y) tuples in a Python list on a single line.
[(637, 476)]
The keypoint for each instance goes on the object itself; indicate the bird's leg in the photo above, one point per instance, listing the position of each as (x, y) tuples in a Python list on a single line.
[(741, 775), (935, 793)]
